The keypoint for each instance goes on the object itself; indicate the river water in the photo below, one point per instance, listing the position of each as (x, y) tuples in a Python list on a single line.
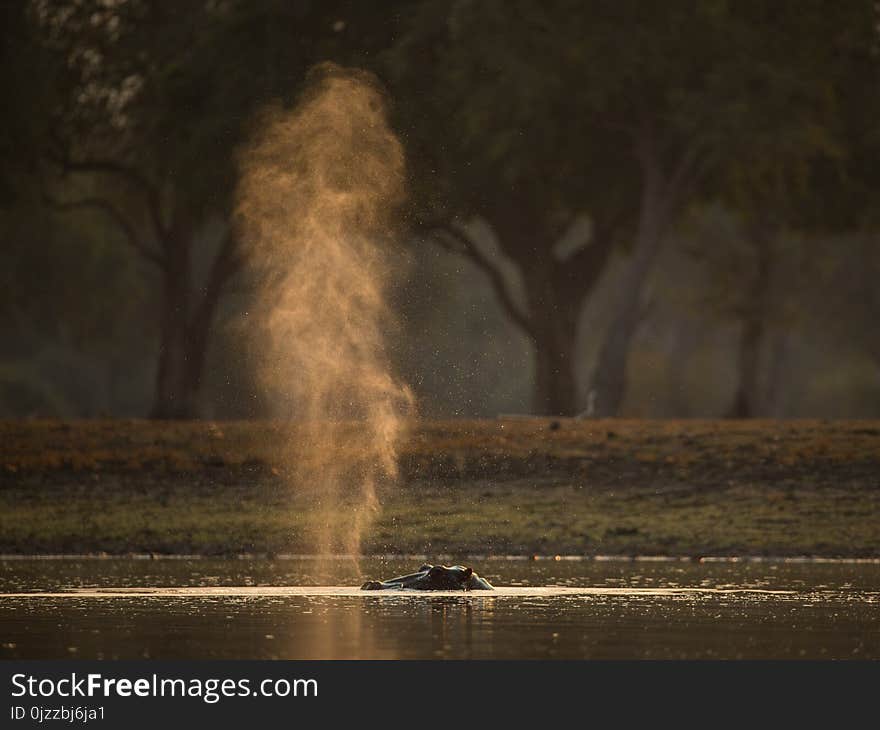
[(307, 608)]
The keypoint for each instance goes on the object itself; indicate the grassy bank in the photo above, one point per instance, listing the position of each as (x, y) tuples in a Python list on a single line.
[(515, 486)]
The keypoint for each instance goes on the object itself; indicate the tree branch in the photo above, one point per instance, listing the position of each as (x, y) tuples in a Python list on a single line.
[(584, 267), (114, 215), (226, 264), (690, 168), (132, 175), (454, 239)]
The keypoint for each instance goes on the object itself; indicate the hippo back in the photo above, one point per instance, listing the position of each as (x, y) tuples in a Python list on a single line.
[(433, 578)]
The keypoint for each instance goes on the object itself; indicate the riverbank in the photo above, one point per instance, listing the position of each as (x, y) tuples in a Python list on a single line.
[(516, 486)]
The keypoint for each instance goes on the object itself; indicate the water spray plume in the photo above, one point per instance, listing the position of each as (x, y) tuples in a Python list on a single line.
[(319, 188)]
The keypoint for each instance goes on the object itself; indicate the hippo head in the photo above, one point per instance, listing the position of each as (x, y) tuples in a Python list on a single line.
[(445, 578)]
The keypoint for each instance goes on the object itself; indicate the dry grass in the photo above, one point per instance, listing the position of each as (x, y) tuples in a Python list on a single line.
[(515, 486)]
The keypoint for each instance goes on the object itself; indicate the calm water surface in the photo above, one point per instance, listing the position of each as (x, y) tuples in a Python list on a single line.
[(303, 608)]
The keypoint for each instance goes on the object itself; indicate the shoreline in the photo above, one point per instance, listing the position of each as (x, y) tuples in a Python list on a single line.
[(792, 559), (697, 489)]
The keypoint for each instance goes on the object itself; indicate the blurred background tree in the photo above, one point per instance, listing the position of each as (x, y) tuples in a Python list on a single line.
[(151, 101), (544, 116), (642, 209)]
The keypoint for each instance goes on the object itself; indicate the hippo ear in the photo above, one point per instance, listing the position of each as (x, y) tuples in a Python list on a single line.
[(425, 567), (468, 572)]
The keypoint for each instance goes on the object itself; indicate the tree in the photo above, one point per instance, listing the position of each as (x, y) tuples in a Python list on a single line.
[(141, 129), (537, 116), (841, 209), (155, 99), (467, 79), (753, 273), (797, 186)]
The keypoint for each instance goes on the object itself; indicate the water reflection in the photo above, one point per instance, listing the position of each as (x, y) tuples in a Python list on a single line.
[(832, 611)]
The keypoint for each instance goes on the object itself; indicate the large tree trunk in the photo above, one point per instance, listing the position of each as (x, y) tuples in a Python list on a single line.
[(187, 322), (174, 396), (185, 319), (608, 386), (747, 397), (182, 354), (685, 340), (662, 190), (775, 380), (555, 386), (745, 400), (554, 308), (555, 291)]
